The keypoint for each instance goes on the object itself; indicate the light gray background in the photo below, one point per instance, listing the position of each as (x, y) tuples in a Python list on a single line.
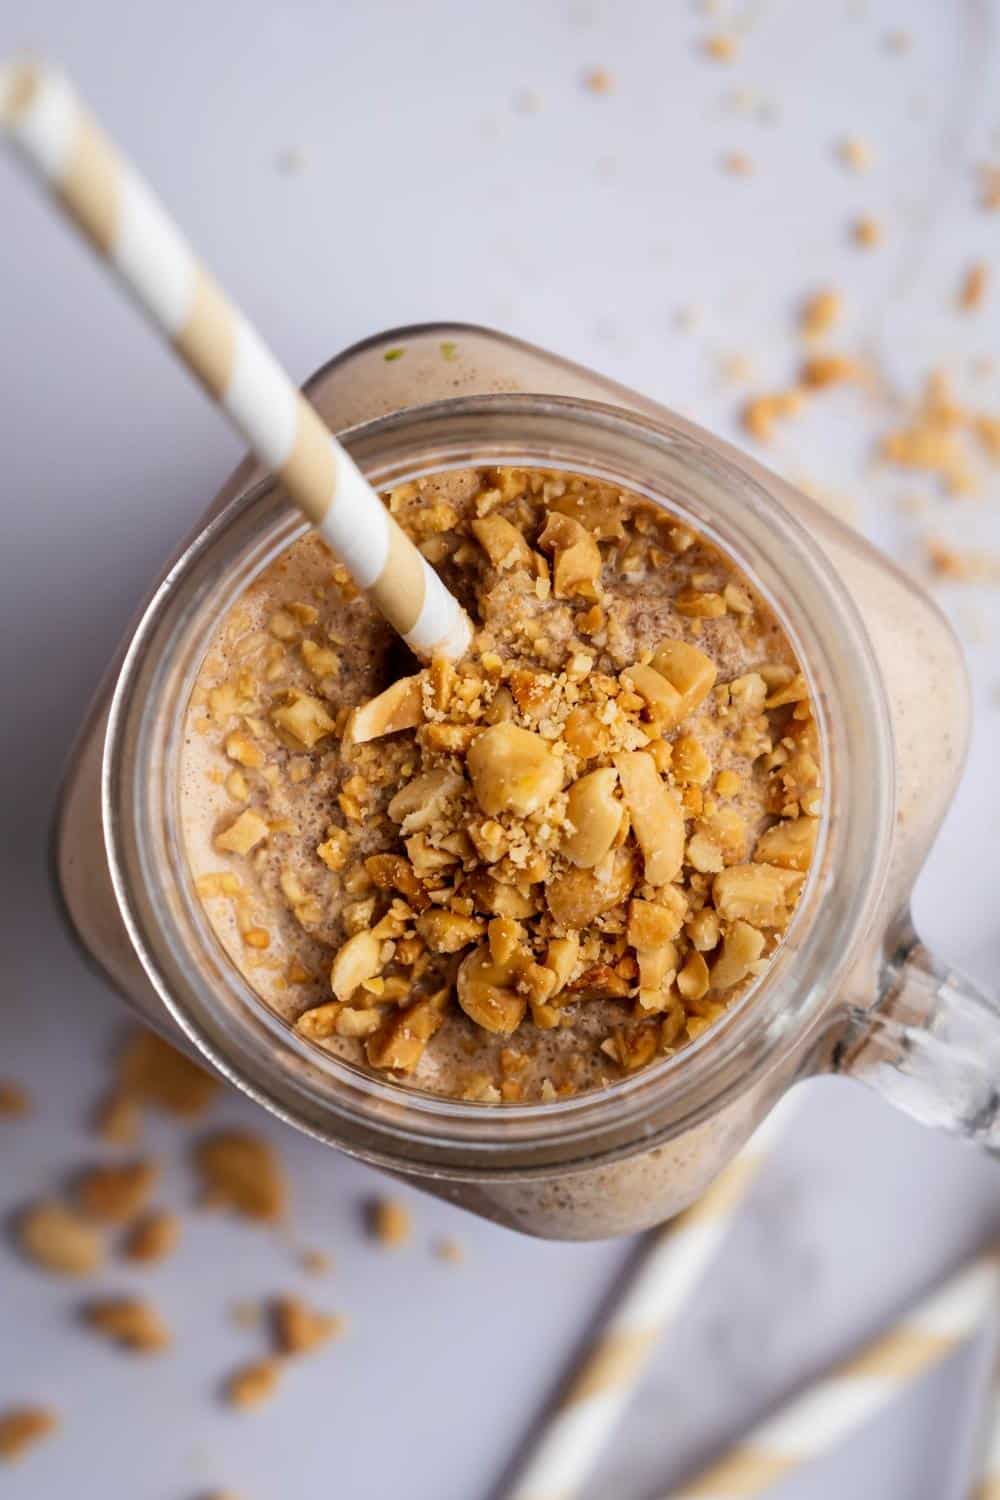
[(431, 187)]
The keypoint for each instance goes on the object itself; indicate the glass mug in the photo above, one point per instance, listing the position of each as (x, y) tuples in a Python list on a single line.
[(850, 990)]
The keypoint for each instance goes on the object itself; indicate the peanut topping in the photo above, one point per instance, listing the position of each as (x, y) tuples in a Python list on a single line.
[(592, 831)]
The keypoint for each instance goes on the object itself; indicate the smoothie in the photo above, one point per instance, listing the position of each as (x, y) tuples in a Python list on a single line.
[(531, 874)]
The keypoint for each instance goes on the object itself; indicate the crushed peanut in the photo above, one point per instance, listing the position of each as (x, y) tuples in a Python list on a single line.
[(21, 1427), (241, 1171), (391, 1223), (58, 1239), (14, 1100), (542, 851), (299, 1328), (253, 1384), (130, 1322), (153, 1237), (115, 1195)]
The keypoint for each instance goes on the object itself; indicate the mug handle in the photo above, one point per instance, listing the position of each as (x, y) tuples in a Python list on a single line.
[(930, 1044)]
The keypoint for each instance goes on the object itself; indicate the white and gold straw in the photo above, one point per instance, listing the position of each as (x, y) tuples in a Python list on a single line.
[(852, 1392), (128, 227), (986, 1485), (648, 1302)]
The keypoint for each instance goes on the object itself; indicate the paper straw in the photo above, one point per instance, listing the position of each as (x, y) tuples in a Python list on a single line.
[(986, 1485), (852, 1392), (126, 224), (648, 1301)]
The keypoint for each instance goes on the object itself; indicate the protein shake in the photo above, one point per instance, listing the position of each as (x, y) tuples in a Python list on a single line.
[(527, 875)]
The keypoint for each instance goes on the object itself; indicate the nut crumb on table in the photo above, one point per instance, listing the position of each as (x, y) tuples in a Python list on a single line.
[(241, 1171), (15, 1101), (153, 1237), (253, 1384), (391, 1222), (449, 1250), (134, 1324), (116, 1194), (153, 1073), (974, 285), (299, 1328), (118, 1119), (534, 846), (57, 1238), (21, 1427)]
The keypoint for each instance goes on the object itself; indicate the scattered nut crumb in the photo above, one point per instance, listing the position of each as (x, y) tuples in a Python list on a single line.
[(972, 292), (854, 154), (117, 1194), (242, 1172), (989, 188), (736, 164), (154, 1073), (14, 1100), (117, 1119), (391, 1223), (898, 41), (449, 1250), (153, 1237), (299, 1328), (316, 1262), (527, 102), (23, 1426), (820, 311), (599, 81), (253, 1384), (822, 370), (760, 413), (722, 47), (866, 232), (134, 1324), (54, 1236)]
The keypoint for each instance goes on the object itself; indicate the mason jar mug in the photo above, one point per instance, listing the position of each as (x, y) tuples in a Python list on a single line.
[(850, 988)]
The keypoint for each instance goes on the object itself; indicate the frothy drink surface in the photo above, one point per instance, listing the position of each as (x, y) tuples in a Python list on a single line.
[(540, 871)]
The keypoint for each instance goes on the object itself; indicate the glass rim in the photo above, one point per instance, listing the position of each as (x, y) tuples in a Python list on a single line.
[(393, 1124)]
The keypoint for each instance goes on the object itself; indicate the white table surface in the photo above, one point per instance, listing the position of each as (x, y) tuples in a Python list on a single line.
[(453, 166)]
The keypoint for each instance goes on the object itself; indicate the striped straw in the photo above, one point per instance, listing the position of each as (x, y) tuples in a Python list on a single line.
[(648, 1302), (852, 1392), (986, 1485), (129, 228)]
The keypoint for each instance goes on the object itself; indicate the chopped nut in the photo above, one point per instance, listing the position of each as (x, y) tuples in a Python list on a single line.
[(856, 155), (741, 948), (358, 959), (651, 925), (820, 312), (690, 761), (416, 805), (154, 1073), (693, 979), (578, 897), (632, 1047), (393, 872), (595, 815), (447, 932), (298, 1328), (703, 930), (975, 281), (486, 994), (241, 1171), (513, 770), (866, 232), (23, 1426), (134, 1324), (561, 957), (400, 1044), (720, 48), (505, 938), (759, 894), (241, 748), (577, 557), (242, 835), (117, 1194), (689, 671), (153, 1237), (665, 705), (656, 816), (253, 1384), (14, 1100), (304, 719), (391, 1222), (789, 844), (56, 1238), (503, 544), (117, 1119), (400, 707)]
